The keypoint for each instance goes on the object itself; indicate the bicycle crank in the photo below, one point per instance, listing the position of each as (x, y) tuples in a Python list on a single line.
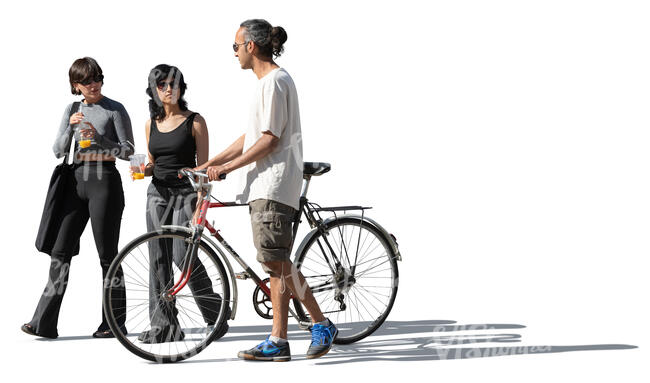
[(262, 302)]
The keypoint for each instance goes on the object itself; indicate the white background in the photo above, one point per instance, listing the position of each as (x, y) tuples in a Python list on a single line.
[(504, 143)]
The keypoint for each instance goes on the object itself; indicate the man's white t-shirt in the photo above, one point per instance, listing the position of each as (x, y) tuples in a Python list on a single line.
[(278, 176)]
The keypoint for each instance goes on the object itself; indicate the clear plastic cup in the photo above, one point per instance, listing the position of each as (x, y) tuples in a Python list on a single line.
[(137, 165), (83, 142)]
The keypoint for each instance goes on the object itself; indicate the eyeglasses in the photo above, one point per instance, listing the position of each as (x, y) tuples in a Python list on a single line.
[(235, 46), (88, 81), (162, 86)]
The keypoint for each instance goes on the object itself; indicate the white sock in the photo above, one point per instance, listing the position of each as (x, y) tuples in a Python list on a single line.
[(325, 323), (278, 341)]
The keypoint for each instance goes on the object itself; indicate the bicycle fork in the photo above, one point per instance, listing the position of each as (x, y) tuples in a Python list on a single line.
[(186, 273)]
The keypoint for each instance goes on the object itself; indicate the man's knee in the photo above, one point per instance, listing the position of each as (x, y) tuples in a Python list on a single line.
[(277, 268)]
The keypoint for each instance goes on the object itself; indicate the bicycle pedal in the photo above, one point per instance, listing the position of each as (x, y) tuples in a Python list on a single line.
[(303, 325), (243, 275)]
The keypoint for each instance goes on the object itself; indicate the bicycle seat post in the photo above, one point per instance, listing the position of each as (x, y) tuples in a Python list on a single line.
[(305, 186), (312, 169)]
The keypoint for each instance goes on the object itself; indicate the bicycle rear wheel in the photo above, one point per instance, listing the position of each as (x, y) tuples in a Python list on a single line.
[(161, 328), (359, 295)]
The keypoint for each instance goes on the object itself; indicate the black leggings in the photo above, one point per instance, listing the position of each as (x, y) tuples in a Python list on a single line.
[(99, 196)]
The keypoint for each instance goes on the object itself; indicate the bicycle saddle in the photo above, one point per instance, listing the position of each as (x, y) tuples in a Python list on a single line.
[(315, 168)]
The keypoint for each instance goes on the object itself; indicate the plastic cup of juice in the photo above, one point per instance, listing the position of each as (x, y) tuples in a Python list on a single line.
[(137, 165), (83, 142)]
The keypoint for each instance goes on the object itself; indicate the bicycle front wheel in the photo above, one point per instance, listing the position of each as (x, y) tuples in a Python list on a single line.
[(164, 328), (359, 294)]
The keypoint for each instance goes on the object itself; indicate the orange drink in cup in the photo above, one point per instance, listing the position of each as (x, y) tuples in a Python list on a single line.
[(137, 166), (82, 139)]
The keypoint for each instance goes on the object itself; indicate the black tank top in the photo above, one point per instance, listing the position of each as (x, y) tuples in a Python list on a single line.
[(172, 151)]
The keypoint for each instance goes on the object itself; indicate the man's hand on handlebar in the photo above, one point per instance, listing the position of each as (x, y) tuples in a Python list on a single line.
[(194, 174), (217, 173)]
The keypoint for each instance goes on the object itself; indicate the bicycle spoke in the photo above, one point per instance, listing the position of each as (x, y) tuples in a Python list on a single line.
[(130, 268), (133, 307), (373, 267), (379, 257), (369, 251), (375, 272), (309, 269), (150, 268), (362, 305), (365, 254), (201, 307), (373, 294), (322, 255), (148, 259), (196, 323)]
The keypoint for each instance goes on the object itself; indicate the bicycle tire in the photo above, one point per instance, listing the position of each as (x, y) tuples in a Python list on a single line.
[(357, 297), (207, 332)]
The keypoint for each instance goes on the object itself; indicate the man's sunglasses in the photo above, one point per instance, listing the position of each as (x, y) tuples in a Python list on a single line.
[(235, 46), (88, 81)]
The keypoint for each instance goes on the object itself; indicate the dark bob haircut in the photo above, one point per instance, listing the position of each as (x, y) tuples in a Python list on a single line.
[(160, 74), (82, 70)]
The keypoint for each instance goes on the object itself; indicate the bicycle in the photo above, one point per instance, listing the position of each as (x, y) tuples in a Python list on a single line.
[(349, 262)]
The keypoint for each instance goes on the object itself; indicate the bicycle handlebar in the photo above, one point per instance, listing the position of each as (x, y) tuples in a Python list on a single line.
[(190, 174)]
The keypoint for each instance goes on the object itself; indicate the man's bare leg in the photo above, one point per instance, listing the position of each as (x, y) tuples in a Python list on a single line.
[(280, 303), (294, 282)]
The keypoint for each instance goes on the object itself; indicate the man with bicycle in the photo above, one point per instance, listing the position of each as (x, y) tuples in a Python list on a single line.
[(271, 154)]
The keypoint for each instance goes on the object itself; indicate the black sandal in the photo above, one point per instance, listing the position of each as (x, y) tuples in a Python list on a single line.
[(107, 333), (103, 334), (28, 329)]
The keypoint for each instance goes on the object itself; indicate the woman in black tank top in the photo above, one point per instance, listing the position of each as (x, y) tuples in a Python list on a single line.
[(176, 138), (173, 150)]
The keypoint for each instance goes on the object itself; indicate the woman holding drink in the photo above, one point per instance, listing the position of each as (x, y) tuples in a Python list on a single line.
[(102, 130), (177, 138)]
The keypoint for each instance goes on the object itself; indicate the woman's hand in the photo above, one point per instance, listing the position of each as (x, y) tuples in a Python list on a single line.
[(76, 118), (89, 132), (143, 169), (181, 175), (148, 170)]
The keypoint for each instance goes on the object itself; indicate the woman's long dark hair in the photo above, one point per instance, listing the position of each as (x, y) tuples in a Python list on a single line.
[(164, 73)]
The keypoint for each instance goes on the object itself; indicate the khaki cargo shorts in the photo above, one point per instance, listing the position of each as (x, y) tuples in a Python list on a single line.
[(272, 224)]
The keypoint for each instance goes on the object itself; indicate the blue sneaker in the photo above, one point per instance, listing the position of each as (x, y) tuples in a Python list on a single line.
[(267, 351), (322, 339)]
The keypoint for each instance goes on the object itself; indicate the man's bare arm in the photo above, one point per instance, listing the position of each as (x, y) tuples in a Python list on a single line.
[(262, 148), (233, 151)]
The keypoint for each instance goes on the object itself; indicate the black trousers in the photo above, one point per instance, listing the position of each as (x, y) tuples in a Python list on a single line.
[(174, 206), (99, 197)]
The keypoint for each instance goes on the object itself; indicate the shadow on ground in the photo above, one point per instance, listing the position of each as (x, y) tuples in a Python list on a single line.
[(421, 340), (436, 340)]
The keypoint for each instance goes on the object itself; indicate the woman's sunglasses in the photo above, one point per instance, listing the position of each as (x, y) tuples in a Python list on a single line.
[(162, 86), (88, 81)]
